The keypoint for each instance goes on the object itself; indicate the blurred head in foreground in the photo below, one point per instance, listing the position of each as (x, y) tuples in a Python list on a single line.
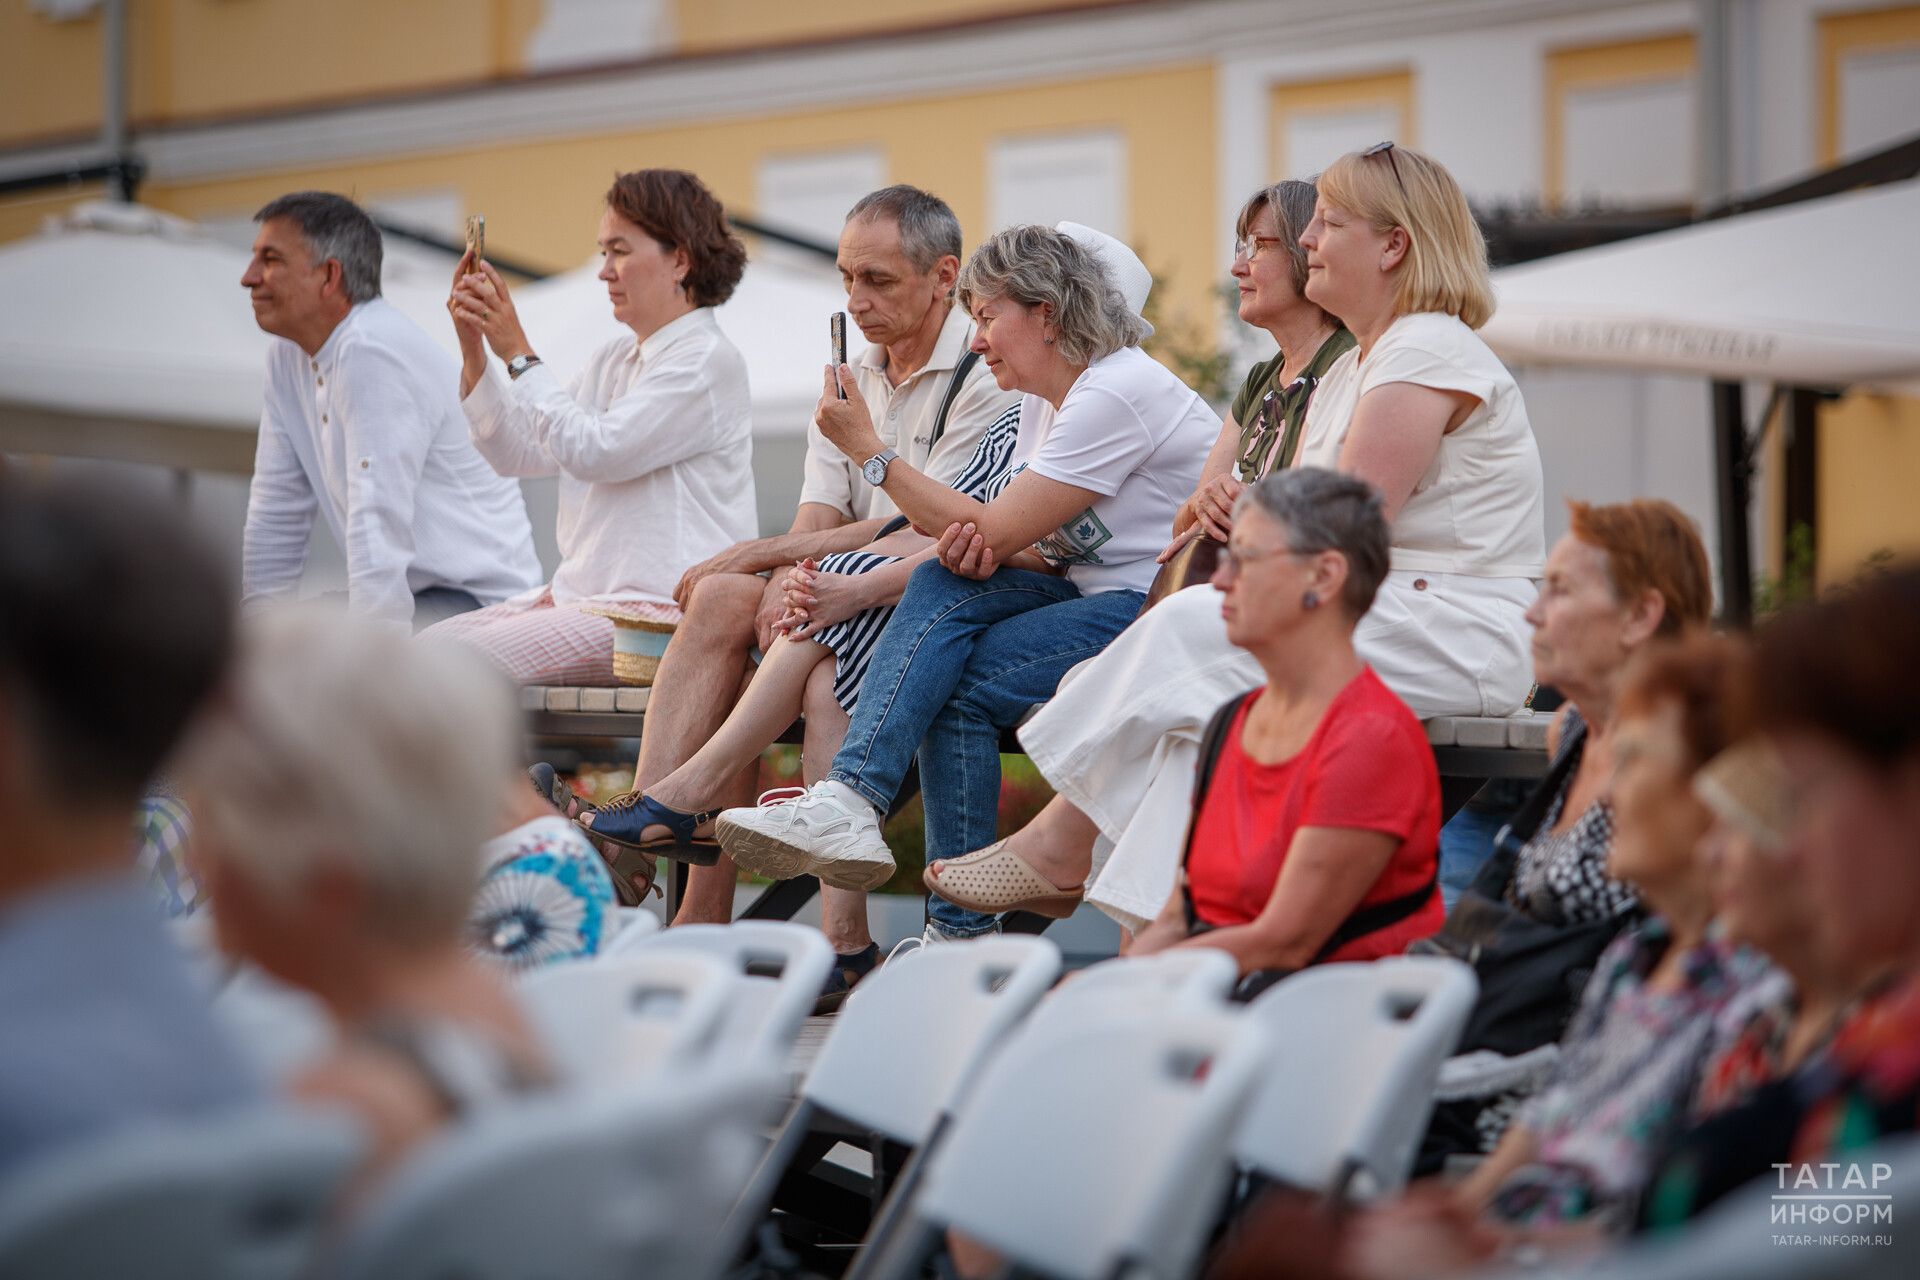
[(115, 623), (1838, 694), (346, 783)]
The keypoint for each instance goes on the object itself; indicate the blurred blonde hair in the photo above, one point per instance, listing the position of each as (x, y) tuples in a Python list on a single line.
[(1446, 264), (343, 742)]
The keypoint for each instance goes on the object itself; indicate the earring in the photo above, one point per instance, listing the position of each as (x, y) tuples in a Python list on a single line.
[(1310, 601), (1048, 339)]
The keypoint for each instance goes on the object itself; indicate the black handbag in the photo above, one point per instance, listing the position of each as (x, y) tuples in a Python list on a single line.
[(1531, 972)]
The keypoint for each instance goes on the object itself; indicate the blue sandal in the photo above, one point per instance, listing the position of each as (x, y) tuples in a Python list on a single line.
[(844, 977), (622, 819)]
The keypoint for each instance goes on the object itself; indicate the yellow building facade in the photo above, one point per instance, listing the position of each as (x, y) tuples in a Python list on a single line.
[(1164, 115)]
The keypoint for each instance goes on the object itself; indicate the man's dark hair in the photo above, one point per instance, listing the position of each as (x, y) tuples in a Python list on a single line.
[(677, 210), (334, 227), (929, 231), (116, 622)]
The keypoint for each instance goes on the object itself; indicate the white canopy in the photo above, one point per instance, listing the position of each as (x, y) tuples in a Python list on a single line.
[(1820, 293), (127, 318)]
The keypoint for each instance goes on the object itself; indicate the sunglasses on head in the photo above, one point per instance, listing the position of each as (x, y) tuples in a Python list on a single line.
[(1386, 149)]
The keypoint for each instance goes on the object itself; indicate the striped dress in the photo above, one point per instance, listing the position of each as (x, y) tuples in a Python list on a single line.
[(852, 641)]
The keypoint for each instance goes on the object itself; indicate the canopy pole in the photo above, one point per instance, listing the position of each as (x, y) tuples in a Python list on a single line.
[(1733, 477)]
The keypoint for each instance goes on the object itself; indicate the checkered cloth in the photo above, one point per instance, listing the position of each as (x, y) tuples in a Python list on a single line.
[(545, 643), (161, 829)]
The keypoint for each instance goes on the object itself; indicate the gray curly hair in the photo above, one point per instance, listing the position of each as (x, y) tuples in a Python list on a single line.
[(1036, 265)]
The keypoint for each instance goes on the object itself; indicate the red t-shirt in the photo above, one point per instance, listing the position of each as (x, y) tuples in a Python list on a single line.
[(1367, 766)]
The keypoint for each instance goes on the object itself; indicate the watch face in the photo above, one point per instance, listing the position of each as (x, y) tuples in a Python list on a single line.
[(875, 470)]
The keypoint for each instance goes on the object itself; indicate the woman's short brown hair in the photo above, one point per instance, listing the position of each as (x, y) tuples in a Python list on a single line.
[(1651, 545), (1446, 264), (1844, 667), (1707, 675), (675, 208), (1292, 203)]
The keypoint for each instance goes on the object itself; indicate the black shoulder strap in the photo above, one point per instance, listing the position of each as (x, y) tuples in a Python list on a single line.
[(1213, 740), (1494, 874), (960, 372)]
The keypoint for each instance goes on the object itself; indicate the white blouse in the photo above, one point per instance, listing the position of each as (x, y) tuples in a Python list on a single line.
[(1479, 510), (654, 449)]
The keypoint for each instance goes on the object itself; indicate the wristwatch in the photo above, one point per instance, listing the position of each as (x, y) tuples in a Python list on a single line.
[(875, 468), (519, 365)]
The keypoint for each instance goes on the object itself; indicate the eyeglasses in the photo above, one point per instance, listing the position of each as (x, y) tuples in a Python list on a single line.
[(1386, 149), (1246, 247)]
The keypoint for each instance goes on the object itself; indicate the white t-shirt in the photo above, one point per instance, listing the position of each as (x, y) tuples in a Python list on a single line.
[(1133, 432), (1479, 509)]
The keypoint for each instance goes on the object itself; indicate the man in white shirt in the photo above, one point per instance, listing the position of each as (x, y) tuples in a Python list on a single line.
[(899, 256), (362, 422)]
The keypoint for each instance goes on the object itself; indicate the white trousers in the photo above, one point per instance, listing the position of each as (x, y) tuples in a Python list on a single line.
[(1121, 735)]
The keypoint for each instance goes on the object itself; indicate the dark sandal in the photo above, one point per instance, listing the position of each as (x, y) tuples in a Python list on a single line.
[(845, 975), (622, 819), (628, 866), (551, 787)]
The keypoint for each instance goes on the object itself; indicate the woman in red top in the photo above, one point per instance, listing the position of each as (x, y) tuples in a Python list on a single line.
[(1315, 839)]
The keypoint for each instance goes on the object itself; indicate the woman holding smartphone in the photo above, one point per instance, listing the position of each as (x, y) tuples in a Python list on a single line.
[(651, 441)]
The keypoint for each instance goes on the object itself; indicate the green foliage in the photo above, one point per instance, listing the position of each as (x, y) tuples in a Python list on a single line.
[(1193, 351), (1795, 583)]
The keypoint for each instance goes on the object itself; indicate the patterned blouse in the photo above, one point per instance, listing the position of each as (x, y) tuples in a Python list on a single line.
[(1629, 1066), (1561, 876), (1864, 1087)]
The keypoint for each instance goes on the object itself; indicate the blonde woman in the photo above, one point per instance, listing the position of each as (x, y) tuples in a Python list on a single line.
[(1423, 411)]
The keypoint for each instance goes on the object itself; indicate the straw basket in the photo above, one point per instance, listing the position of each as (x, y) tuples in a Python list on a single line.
[(637, 646)]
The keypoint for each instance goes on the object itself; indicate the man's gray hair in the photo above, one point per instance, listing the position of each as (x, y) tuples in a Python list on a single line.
[(334, 227), (1033, 265), (1325, 510), (929, 229), (343, 743)]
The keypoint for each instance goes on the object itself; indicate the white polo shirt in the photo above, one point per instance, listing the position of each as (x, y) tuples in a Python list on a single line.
[(904, 417)]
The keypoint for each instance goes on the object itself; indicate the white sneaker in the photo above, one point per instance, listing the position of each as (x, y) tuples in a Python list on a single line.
[(829, 831)]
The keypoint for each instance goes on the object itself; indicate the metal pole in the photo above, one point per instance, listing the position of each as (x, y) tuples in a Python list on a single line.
[(1733, 475), (1713, 115), (113, 105)]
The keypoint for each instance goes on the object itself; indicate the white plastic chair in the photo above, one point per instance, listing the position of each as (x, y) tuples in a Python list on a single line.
[(1341, 1108), (769, 1009), (1204, 975), (903, 1050), (589, 1186), (635, 924), (1096, 1143), (243, 1195), (613, 1019)]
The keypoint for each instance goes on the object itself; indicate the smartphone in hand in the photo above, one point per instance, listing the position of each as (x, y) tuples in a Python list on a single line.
[(477, 238), (837, 331)]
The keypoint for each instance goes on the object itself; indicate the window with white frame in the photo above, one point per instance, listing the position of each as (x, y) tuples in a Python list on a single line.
[(1076, 177), (1630, 144), (810, 193), (1879, 99)]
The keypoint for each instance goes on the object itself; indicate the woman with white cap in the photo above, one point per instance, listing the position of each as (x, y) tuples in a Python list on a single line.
[(1110, 444)]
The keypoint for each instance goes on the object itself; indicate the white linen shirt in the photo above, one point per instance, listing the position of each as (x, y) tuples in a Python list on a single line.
[(904, 417), (653, 444), (368, 431)]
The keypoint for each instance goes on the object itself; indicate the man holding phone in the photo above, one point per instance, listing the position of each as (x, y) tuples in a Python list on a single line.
[(362, 423), (899, 256)]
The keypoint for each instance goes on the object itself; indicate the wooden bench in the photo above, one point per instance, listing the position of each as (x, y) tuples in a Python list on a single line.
[(1463, 746)]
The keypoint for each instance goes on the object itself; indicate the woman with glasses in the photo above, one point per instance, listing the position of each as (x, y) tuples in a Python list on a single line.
[(1422, 410), (1262, 433), (1314, 832)]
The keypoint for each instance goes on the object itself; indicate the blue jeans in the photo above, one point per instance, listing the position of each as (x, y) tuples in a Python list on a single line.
[(959, 662), (1465, 843)]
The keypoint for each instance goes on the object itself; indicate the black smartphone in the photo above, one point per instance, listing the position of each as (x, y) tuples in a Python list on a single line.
[(837, 331)]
